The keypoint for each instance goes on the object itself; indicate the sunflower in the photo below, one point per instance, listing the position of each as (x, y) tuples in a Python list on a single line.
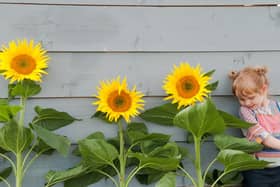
[(116, 100), (186, 85), (23, 60)]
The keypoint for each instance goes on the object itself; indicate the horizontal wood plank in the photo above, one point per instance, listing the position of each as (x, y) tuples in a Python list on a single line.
[(78, 74), (91, 28), (149, 2)]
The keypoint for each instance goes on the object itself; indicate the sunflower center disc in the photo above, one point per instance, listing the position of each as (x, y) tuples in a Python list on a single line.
[(23, 64), (119, 102), (187, 87)]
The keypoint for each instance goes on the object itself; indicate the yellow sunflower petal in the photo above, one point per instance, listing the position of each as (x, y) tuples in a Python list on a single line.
[(23, 60), (186, 85), (116, 100)]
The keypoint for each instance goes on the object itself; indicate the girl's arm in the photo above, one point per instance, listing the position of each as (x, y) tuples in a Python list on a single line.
[(256, 132), (271, 142)]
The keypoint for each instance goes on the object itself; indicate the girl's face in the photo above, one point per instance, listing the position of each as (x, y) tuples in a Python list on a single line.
[(253, 101)]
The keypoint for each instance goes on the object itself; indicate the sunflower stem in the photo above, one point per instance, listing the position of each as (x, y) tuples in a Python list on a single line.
[(19, 161), (122, 158), (200, 182)]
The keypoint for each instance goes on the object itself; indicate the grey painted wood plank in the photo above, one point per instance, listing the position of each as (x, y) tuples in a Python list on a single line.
[(82, 109), (78, 74), (149, 2), (91, 28)]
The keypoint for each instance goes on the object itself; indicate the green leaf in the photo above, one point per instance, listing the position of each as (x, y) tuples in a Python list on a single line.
[(54, 177), (231, 179), (212, 86), (41, 146), (58, 142), (223, 141), (138, 127), (84, 180), (232, 121), (209, 73), (97, 152), (200, 118), (169, 150), (15, 138), (8, 112), (162, 115), (149, 146), (5, 173), (159, 163), (140, 137), (95, 135), (135, 131), (168, 180), (51, 119), (4, 102), (235, 160), (26, 88), (102, 116), (148, 175)]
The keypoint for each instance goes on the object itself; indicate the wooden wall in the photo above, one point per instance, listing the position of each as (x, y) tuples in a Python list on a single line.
[(93, 40)]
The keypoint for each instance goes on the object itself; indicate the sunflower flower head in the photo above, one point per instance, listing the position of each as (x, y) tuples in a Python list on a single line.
[(116, 100), (23, 60), (186, 85)]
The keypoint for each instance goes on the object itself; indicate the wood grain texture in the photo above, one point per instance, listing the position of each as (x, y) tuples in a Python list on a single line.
[(91, 28)]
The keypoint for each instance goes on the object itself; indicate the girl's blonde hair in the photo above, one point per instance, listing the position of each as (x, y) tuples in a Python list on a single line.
[(249, 80)]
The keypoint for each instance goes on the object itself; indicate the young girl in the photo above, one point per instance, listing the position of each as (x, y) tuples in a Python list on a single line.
[(250, 86)]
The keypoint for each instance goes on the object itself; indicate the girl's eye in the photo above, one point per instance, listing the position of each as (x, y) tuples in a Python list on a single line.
[(251, 98)]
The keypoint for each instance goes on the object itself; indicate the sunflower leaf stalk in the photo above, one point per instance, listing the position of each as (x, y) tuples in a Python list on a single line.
[(23, 63)]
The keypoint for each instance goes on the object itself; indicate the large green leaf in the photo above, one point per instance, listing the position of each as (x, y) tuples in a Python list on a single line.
[(5, 173), (138, 127), (148, 175), (15, 138), (168, 180), (52, 119), (231, 179), (84, 180), (200, 118), (232, 121), (42, 147), (223, 141), (58, 142), (139, 137), (25, 89), (8, 112), (97, 152), (159, 163), (95, 135), (54, 177), (169, 150), (148, 146), (235, 160), (162, 115)]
